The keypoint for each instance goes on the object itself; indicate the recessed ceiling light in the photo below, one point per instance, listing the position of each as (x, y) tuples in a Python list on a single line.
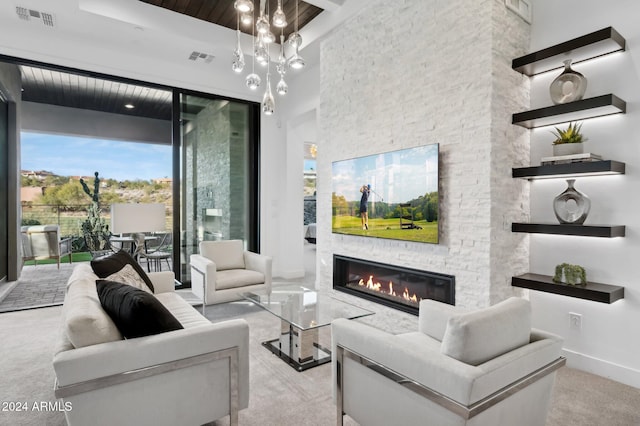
[(129, 106)]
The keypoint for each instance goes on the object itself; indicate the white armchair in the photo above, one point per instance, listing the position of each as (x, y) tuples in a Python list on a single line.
[(223, 269), (486, 367), (41, 242)]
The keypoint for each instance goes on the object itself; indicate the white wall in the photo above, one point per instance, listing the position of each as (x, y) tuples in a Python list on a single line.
[(608, 343), (432, 72), (296, 114)]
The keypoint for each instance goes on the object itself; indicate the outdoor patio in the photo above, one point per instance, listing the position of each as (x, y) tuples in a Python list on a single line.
[(40, 285)]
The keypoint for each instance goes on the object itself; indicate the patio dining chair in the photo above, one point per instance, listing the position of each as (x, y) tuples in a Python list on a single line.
[(40, 242), (154, 251)]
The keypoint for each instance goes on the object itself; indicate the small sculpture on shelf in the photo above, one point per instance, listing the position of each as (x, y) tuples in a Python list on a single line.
[(570, 274), (571, 206), (568, 86)]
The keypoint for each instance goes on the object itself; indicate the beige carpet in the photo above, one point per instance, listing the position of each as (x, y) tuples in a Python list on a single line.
[(279, 395)]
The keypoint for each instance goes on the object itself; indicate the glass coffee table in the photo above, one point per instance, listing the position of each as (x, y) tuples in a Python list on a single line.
[(302, 313)]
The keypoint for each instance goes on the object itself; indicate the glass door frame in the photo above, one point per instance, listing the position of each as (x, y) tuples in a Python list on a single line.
[(253, 239), (253, 167), (4, 190)]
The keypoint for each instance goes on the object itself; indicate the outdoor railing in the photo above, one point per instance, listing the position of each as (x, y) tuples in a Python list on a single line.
[(68, 217)]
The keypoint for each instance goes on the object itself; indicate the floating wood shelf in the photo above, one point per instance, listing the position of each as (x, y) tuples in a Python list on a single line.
[(571, 111), (580, 49), (605, 231), (596, 292), (588, 168)]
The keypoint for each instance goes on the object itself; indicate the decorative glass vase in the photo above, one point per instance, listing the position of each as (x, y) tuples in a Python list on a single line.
[(571, 206), (568, 86)]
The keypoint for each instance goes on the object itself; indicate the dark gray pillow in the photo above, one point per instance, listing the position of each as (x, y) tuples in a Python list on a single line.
[(135, 312), (111, 264)]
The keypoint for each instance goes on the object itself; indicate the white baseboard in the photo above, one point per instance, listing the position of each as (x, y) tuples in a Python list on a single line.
[(619, 373)]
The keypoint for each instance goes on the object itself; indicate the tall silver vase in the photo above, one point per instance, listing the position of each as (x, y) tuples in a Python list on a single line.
[(571, 206), (568, 86)]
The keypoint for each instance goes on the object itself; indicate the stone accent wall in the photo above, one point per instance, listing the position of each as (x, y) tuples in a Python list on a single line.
[(510, 148), (215, 157), (409, 73)]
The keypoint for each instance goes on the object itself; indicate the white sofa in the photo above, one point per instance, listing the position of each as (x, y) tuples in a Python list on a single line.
[(190, 376), (486, 367), (224, 269)]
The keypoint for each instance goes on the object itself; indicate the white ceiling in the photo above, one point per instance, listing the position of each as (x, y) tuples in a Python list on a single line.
[(139, 36)]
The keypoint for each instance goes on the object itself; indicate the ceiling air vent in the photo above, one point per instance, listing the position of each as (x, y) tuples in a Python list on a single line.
[(206, 57), (31, 15)]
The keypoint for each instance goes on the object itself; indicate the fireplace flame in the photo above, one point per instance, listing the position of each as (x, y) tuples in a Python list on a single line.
[(405, 296), (376, 286)]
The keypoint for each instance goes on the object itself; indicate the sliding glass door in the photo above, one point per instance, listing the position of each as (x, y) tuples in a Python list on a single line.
[(218, 174), (4, 177)]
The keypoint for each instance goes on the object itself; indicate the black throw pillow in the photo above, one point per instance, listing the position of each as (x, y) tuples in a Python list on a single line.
[(135, 312), (111, 264)]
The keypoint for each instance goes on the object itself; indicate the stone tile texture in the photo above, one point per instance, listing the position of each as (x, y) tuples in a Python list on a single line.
[(408, 73)]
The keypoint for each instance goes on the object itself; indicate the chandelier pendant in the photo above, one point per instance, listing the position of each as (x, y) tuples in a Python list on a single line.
[(263, 36)]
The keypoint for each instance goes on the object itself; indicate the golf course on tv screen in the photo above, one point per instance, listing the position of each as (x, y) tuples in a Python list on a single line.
[(390, 195)]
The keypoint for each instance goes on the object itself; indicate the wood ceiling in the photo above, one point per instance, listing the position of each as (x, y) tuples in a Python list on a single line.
[(221, 12), (84, 92)]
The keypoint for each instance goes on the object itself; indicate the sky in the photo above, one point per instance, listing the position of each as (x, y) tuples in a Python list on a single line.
[(395, 177), (78, 156)]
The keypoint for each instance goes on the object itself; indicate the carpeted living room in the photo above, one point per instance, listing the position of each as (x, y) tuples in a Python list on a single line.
[(280, 395), (436, 125)]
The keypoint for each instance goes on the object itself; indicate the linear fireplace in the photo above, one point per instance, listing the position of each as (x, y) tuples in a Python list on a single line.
[(395, 286)]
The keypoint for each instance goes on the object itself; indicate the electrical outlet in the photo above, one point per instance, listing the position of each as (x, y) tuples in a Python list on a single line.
[(575, 321)]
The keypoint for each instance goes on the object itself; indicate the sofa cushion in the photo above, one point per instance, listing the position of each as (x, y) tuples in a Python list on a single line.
[(135, 312), (128, 275), (226, 254), (182, 310), (238, 278), (479, 336), (108, 265), (85, 322)]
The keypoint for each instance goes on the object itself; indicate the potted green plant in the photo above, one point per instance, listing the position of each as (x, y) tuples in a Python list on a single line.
[(570, 274), (568, 141)]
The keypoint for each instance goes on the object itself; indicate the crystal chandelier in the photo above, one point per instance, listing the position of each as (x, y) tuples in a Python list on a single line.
[(263, 36)]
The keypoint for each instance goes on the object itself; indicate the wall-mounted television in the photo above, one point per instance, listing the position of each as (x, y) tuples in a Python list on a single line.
[(397, 190)]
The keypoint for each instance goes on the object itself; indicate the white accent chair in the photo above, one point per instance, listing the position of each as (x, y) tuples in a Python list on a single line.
[(485, 367), (224, 269), (41, 242)]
